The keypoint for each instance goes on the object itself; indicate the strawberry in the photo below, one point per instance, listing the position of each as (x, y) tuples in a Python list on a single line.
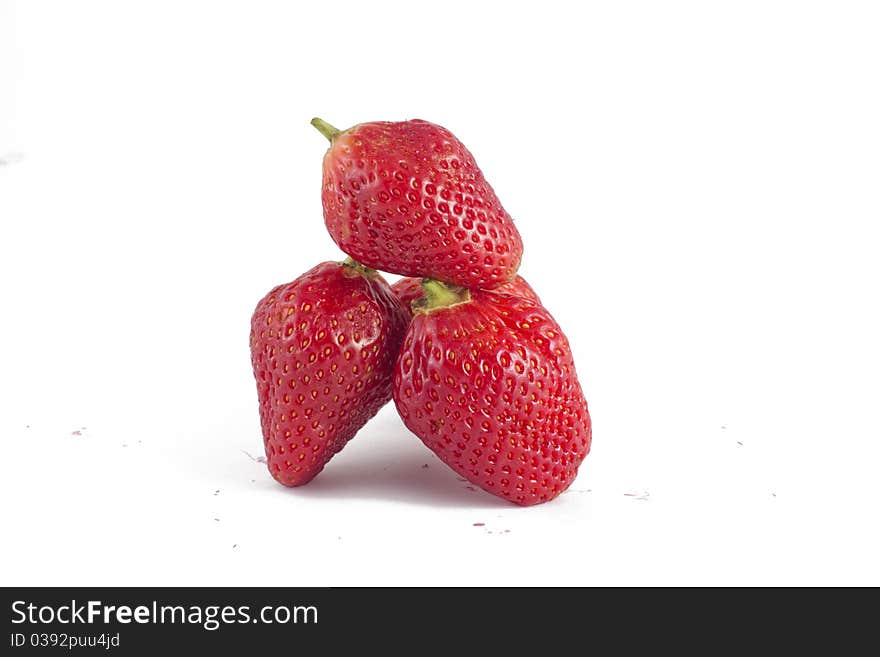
[(323, 349), (408, 198), (410, 289), (487, 382)]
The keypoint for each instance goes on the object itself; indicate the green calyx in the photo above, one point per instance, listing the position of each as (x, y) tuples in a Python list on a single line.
[(363, 270), (326, 129), (440, 295)]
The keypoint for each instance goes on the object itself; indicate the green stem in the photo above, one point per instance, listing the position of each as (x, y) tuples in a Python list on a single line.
[(326, 129), (441, 295), (358, 267)]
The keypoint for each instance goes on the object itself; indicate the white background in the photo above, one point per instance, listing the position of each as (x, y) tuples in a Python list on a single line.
[(697, 188)]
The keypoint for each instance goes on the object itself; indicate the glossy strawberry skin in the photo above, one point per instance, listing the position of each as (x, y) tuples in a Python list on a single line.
[(323, 349), (490, 387), (410, 289), (408, 198)]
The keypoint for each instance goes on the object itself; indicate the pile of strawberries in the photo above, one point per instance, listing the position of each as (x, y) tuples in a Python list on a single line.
[(477, 368)]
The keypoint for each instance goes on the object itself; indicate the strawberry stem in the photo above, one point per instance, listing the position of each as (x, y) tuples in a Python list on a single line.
[(358, 267), (326, 129), (440, 295)]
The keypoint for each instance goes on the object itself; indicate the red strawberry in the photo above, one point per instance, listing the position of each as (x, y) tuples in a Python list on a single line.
[(408, 198), (487, 381), (410, 289), (323, 349)]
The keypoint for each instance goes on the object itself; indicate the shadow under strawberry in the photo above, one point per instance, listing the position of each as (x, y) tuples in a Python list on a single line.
[(395, 471)]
